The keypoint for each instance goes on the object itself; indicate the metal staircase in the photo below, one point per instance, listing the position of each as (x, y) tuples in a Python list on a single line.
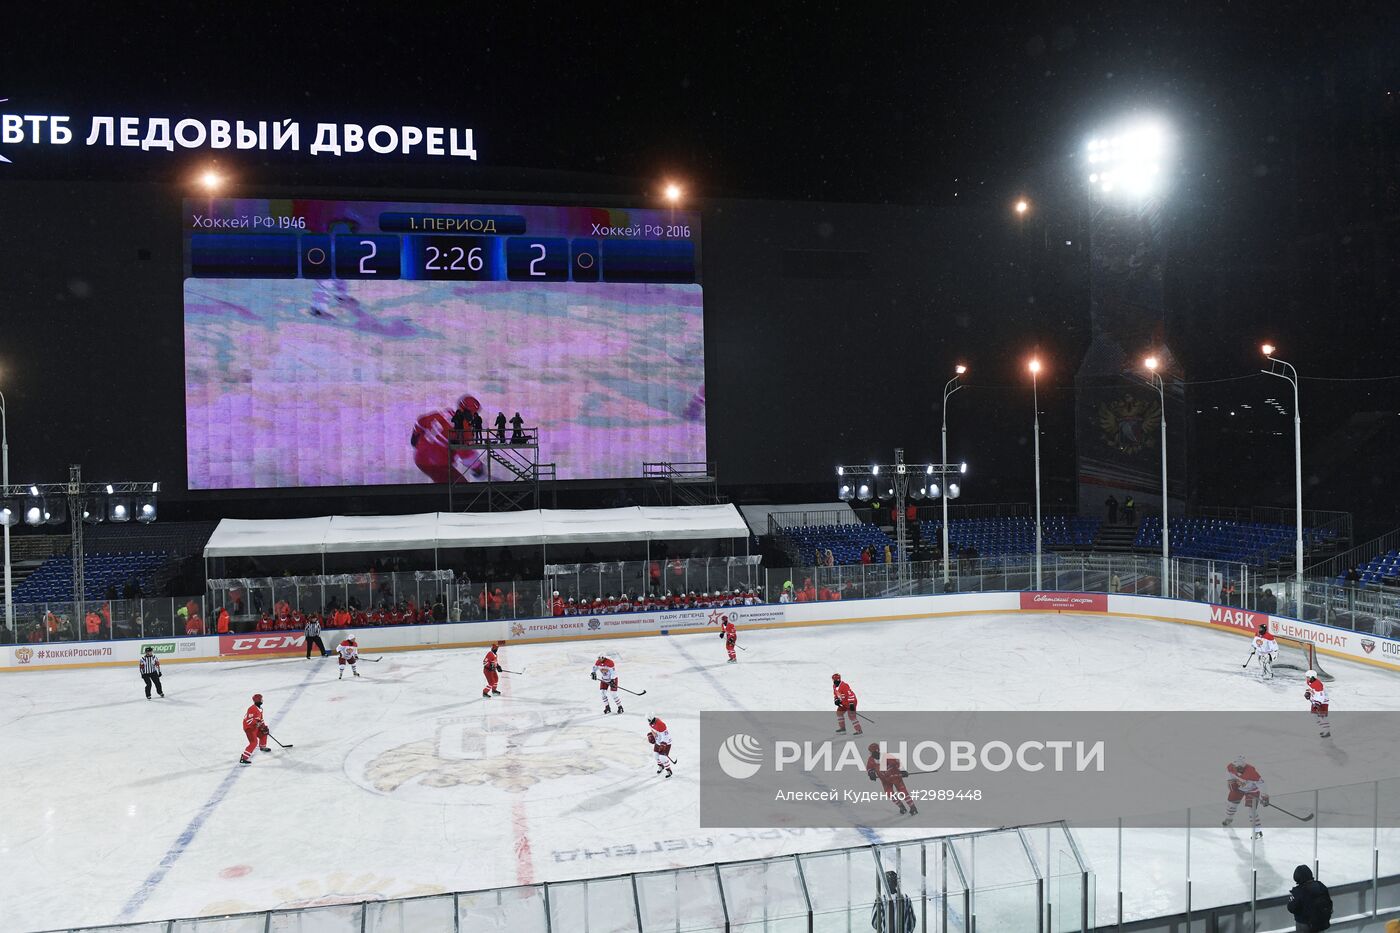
[(690, 483), (502, 471)]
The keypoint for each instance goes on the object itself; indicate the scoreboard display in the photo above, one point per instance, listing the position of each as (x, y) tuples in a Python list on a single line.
[(329, 343)]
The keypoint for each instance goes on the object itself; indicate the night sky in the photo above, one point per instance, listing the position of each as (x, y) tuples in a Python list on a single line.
[(1284, 203)]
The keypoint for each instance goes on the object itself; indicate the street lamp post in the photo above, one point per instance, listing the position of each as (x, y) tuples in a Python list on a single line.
[(1155, 378), (1288, 373), (5, 486), (1035, 400), (952, 386)]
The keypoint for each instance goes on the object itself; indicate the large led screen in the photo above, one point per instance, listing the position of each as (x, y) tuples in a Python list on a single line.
[(334, 343)]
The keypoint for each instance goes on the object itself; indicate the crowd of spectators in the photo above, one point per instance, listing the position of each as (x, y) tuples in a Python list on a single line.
[(653, 601)]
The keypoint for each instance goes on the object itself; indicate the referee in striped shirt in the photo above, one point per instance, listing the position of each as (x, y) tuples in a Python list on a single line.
[(150, 672)]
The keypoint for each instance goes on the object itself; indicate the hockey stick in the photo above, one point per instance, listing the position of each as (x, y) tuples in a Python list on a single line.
[(274, 738), (504, 671), (373, 660), (635, 693), (866, 718), (1301, 819), (931, 771), (1247, 660)]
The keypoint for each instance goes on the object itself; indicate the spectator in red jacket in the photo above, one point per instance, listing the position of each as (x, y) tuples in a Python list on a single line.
[(221, 623)]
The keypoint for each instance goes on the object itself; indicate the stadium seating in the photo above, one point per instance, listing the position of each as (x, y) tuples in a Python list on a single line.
[(844, 542), (1382, 570), (1254, 543), (1000, 537), (53, 580)]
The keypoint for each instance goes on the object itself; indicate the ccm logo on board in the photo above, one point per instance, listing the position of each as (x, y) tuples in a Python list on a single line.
[(261, 644)]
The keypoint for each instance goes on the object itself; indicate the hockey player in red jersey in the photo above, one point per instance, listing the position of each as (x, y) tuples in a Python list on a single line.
[(432, 434), (1316, 694), (605, 672), (845, 704), (1244, 783), (891, 777), (730, 634), (556, 605), (660, 739), (491, 668), (255, 730)]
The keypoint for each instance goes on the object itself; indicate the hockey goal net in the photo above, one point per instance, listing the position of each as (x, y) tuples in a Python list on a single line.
[(1299, 654)]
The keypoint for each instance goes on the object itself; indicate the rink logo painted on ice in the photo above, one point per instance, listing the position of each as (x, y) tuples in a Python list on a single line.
[(741, 756), (1239, 619), (261, 644), (1075, 602)]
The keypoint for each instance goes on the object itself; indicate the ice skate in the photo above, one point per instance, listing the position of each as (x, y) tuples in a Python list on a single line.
[(668, 772), (606, 710), (1257, 834), (913, 810), (902, 811), (1228, 821), (265, 749), (245, 760), (619, 707), (495, 693)]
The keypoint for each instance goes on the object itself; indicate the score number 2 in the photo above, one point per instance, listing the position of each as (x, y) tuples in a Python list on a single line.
[(366, 257), (537, 259)]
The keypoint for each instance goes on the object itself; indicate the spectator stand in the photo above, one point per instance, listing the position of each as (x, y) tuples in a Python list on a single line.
[(436, 541), (654, 577)]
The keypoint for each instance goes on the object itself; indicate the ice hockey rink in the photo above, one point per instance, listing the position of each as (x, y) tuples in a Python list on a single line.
[(405, 781)]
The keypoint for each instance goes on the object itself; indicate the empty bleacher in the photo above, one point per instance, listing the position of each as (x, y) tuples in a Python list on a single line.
[(844, 542), (53, 580), (1381, 570), (1000, 537), (1256, 543)]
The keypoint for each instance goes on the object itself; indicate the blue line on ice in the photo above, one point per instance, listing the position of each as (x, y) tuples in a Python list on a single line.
[(182, 842)]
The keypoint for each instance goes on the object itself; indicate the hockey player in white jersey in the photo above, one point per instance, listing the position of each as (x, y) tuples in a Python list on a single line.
[(1266, 647), (349, 653)]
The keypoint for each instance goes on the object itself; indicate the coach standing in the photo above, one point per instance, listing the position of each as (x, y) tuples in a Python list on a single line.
[(313, 634), (150, 672)]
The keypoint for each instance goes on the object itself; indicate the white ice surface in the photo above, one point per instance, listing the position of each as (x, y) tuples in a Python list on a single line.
[(406, 782)]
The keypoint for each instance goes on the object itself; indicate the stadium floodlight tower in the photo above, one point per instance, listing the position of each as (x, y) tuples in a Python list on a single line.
[(1284, 370), (900, 482), (1128, 167)]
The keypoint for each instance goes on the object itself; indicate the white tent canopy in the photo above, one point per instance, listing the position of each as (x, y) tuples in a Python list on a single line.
[(436, 530)]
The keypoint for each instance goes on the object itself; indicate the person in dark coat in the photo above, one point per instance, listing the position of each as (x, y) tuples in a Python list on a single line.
[(1111, 503), (1309, 902)]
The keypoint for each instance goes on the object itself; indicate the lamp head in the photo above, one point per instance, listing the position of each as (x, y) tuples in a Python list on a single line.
[(960, 369), (1034, 366), (1268, 349), (1150, 363)]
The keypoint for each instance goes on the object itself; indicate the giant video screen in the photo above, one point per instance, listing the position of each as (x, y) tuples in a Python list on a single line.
[(336, 343)]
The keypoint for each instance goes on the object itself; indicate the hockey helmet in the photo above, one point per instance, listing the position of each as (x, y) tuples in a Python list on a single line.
[(1312, 675), (836, 678), (257, 698), (651, 719), (873, 747), (468, 403)]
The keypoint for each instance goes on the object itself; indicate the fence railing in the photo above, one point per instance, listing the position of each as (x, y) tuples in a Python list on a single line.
[(778, 522), (1326, 520), (678, 575), (1219, 582), (1137, 874), (424, 597), (1357, 556)]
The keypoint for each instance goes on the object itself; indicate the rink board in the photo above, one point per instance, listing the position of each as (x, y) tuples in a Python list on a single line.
[(1344, 643)]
